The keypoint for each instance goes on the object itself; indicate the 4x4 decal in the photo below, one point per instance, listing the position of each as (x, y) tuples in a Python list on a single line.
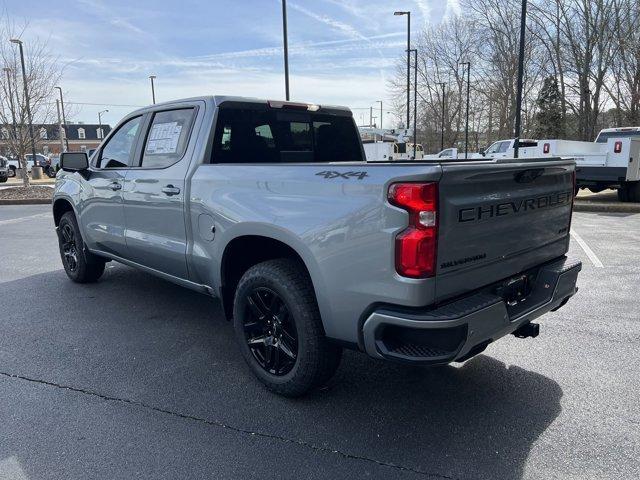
[(330, 174)]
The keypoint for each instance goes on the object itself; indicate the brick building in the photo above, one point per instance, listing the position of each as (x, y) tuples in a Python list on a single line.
[(81, 137)]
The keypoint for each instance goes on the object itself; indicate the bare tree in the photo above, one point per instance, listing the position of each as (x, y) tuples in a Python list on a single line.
[(43, 72), (440, 51), (590, 47), (624, 84)]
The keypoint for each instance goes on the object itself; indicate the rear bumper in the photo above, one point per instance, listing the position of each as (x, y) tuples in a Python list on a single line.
[(461, 329), (586, 176)]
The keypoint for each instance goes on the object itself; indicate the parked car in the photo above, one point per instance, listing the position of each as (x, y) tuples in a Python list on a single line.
[(42, 161), (272, 208), (4, 169)]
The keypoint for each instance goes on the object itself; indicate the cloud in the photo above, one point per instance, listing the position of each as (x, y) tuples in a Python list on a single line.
[(453, 8), (425, 10), (327, 20)]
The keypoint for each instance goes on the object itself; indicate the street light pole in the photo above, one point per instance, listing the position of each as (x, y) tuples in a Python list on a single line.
[(26, 101), (466, 128), (64, 120), (11, 105), (100, 123), (415, 100), (443, 85), (523, 27), (380, 102), (60, 129), (153, 89), (408, 14), (286, 49)]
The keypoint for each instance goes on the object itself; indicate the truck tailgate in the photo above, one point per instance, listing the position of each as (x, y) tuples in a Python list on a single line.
[(499, 219)]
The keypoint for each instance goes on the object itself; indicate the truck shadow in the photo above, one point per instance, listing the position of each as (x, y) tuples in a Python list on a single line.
[(135, 337)]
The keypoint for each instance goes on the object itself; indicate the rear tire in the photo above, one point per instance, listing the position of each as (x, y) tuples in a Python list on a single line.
[(3, 179), (279, 329), (80, 265), (629, 192)]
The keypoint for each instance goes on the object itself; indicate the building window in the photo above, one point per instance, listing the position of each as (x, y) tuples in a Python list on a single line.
[(100, 133), (43, 133), (81, 134)]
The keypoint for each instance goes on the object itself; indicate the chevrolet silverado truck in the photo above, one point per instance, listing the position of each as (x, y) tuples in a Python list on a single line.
[(271, 207)]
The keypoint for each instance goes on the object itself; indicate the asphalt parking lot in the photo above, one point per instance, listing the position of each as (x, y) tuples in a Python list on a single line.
[(134, 377)]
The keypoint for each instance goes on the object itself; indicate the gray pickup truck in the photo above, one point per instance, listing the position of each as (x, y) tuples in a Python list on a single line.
[(270, 207)]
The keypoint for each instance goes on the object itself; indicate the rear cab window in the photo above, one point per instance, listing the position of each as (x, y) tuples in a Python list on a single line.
[(260, 134)]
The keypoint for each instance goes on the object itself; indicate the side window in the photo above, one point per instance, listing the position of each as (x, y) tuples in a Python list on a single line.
[(118, 151), (494, 148), (167, 138), (504, 146)]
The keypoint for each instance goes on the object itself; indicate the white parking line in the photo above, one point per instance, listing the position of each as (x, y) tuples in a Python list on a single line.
[(22, 219), (592, 256)]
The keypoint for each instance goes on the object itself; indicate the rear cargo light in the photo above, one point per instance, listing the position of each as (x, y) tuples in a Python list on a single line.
[(617, 147), (546, 148), (417, 244)]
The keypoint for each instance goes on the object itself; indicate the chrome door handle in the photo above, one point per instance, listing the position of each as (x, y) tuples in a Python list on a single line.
[(170, 190), (115, 186)]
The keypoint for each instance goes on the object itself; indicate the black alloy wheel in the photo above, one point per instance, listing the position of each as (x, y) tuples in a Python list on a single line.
[(270, 331), (69, 247)]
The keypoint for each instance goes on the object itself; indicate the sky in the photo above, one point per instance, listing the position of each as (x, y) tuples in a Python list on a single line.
[(341, 52)]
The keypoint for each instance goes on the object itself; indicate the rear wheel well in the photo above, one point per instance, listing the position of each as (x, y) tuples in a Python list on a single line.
[(241, 254), (60, 207)]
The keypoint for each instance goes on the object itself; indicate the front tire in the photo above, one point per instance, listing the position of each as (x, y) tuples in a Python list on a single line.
[(3, 179), (279, 329), (12, 171), (80, 265)]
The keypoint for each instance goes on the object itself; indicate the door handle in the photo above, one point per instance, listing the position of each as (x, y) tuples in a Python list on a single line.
[(115, 186), (170, 190)]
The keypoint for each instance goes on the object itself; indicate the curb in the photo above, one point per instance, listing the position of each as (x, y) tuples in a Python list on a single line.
[(26, 201), (598, 207)]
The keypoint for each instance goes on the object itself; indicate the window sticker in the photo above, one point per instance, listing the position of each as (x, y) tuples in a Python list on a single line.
[(163, 138)]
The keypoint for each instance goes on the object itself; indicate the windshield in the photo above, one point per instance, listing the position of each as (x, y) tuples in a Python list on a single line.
[(605, 136)]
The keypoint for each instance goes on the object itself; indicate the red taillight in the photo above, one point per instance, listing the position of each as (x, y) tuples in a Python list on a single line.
[(546, 148), (417, 244), (617, 147)]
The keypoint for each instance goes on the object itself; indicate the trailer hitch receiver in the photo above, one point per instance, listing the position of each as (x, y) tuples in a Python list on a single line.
[(528, 330)]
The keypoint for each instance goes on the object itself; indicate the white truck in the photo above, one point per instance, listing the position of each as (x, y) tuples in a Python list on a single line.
[(383, 145), (499, 149), (612, 161), (43, 161)]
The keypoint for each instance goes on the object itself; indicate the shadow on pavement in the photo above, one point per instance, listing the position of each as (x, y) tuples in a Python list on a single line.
[(136, 337)]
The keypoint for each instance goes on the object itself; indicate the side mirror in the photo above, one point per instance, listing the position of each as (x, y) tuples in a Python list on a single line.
[(482, 152), (74, 161)]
